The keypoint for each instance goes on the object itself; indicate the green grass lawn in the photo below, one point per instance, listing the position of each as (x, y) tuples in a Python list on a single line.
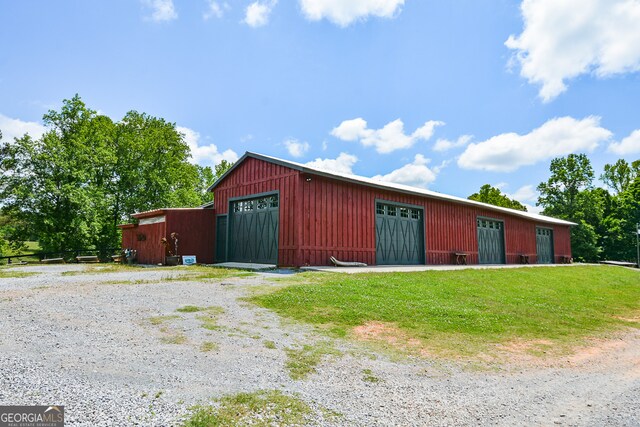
[(466, 312)]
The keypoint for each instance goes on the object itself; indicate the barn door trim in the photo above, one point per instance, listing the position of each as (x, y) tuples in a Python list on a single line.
[(504, 235), (421, 208)]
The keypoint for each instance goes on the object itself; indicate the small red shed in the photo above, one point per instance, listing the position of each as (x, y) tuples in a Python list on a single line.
[(274, 211), (195, 227)]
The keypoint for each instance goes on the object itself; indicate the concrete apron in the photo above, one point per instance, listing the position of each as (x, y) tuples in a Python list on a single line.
[(412, 268), (246, 265)]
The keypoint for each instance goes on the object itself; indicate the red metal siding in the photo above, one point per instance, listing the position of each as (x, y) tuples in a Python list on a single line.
[(128, 235), (255, 176), (561, 242), (325, 217), (196, 230), (149, 250)]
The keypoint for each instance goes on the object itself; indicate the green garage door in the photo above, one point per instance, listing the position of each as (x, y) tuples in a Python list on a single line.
[(253, 230), (544, 245), (399, 235), (490, 241)]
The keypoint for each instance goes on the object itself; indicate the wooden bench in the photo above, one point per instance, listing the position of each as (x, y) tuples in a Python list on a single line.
[(524, 259), (52, 261), (461, 258), (87, 258)]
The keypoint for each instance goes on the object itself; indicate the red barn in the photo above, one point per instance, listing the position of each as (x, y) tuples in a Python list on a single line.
[(274, 211)]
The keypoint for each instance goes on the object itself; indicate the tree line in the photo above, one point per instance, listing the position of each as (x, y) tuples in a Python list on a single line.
[(86, 174), (70, 188), (606, 217)]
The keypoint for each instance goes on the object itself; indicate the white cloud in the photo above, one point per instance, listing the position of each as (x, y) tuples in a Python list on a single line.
[(342, 164), (557, 137), (205, 155), (296, 148), (257, 13), (161, 10), (390, 138), (526, 193), (416, 173), (629, 145), (215, 9), (445, 144), (564, 39), (16, 128), (345, 12)]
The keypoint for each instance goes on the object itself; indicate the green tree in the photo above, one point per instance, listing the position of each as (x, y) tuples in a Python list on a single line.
[(569, 194), (494, 196), (619, 175), (221, 168), (560, 195), (86, 174), (206, 178), (617, 230)]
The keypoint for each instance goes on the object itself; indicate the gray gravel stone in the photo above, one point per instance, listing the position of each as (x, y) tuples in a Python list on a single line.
[(78, 341)]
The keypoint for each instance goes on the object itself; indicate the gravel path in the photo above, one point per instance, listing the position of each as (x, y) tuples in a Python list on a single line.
[(89, 344)]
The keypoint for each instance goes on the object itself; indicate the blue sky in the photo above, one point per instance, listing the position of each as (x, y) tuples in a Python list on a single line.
[(447, 95)]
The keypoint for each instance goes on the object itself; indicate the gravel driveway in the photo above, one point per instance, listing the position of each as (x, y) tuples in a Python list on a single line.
[(120, 354)]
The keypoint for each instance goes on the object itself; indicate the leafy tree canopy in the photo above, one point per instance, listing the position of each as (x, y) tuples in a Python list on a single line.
[(494, 196), (620, 175), (87, 173)]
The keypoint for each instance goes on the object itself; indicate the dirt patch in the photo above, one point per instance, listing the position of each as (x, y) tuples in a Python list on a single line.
[(390, 335), (634, 319), (597, 350)]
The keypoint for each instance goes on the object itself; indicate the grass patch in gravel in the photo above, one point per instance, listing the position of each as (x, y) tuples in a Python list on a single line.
[(209, 318), (269, 344), (464, 312), (159, 320), (209, 346), (369, 377), (104, 268), (6, 273), (174, 338), (178, 273), (189, 309), (261, 408), (194, 273), (302, 362)]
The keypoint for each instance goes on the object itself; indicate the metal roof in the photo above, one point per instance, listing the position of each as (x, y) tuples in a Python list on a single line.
[(406, 189)]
